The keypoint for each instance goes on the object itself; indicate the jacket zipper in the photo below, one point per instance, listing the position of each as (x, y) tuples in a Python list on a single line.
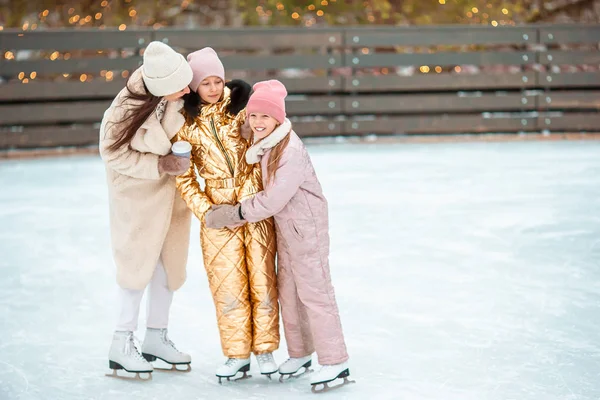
[(214, 130)]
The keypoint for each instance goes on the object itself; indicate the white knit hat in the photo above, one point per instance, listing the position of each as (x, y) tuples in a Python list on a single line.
[(165, 71)]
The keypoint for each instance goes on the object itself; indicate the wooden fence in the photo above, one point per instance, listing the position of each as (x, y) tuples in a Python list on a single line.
[(55, 85)]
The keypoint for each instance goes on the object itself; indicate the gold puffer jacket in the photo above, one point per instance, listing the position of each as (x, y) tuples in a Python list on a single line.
[(240, 262)]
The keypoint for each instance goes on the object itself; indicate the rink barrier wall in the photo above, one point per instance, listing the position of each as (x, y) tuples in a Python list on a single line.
[(342, 81)]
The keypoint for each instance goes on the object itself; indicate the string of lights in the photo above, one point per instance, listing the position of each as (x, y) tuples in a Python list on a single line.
[(124, 14)]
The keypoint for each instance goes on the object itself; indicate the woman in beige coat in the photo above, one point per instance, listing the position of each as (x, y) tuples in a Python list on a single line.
[(149, 222)]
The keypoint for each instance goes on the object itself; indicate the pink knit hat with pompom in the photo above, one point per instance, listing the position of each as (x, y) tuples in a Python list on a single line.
[(268, 98)]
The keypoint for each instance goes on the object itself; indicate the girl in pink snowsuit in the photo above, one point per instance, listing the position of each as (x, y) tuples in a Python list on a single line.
[(293, 196)]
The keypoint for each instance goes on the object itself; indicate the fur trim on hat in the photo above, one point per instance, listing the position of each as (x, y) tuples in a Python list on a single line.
[(240, 93)]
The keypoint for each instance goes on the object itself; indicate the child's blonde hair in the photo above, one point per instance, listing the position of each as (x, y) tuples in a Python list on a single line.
[(275, 157)]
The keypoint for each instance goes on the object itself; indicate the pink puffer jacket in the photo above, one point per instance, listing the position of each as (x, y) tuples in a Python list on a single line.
[(296, 200)]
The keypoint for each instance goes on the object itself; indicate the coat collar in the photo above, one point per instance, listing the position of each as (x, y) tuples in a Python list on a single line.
[(256, 151)]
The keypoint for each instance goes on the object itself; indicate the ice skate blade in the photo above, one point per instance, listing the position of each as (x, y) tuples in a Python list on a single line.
[(268, 374), (137, 376), (229, 378), (327, 388), (175, 369), (151, 358), (245, 375), (295, 375)]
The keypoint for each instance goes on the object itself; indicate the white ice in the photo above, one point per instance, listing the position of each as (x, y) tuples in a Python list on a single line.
[(466, 271)]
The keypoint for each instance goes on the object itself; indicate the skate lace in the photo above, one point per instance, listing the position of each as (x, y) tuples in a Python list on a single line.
[(168, 341), (230, 362), (326, 368), (132, 346), (288, 361), (263, 358)]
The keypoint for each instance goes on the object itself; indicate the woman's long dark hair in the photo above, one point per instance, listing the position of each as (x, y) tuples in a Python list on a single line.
[(134, 117)]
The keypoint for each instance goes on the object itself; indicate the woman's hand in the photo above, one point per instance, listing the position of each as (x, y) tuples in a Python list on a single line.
[(173, 165)]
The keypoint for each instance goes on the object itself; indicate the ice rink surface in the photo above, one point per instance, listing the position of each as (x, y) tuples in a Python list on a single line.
[(463, 271)]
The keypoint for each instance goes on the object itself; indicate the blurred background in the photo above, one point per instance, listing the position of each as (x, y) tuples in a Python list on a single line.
[(32, 15), (353, 68)]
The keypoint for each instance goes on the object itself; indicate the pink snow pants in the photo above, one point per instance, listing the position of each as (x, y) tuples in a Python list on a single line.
[(311, 319)]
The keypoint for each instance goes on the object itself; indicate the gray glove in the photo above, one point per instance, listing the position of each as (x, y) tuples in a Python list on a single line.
[(222, 216), (173, 165), (246, 131)]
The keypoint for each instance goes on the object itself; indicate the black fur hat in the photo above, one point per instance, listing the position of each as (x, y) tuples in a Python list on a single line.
[(240, 94)]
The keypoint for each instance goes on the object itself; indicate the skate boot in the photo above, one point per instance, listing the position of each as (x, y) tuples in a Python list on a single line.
[(232, 366), (329, 373), (290, 368), (266, 364), (124, 355), (157, 345)]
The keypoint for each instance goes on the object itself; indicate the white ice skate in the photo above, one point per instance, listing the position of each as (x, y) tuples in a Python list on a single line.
[(266, 364), (157, 345), (329, 373), (124, 355), (290, 368), (232, 366)]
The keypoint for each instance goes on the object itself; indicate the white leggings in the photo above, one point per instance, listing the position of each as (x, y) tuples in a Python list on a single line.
[(157, 307)]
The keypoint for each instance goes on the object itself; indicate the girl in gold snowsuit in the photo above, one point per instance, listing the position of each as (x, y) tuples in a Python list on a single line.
[(239, 262)]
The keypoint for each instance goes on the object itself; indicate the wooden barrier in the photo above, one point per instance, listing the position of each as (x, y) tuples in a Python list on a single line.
[(341, 81)]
